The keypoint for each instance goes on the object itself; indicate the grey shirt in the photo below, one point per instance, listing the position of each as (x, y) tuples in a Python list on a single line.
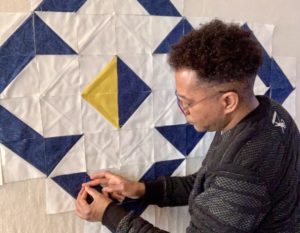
[(248, 182)]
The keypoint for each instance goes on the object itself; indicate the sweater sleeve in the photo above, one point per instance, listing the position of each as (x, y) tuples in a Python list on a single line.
[(165, 191), (232, 202), (169, 191)]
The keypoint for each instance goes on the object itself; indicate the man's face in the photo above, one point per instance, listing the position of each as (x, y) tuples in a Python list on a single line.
[(200, 103)]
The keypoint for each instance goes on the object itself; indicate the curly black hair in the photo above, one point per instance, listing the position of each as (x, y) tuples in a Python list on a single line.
[(219, 53)]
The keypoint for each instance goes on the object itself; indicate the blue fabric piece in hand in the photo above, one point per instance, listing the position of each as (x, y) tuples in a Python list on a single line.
[(132, 91), (72, 183), (281, 87), (60, 6), (16, 52), (182, 28), (264, 71), (159, 7), (183, 137), (47, 41)]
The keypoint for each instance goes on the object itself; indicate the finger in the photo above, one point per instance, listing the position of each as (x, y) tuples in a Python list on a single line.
[(82, 200), (92, 191), (118, 196), (105, 193), (80, 193), (98, 175), (114, 188), (105, 174), (102, 181)]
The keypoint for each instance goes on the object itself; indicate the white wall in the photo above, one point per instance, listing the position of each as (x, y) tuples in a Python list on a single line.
[(22, 204)]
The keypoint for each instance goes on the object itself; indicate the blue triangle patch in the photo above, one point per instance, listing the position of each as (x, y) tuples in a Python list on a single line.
[(16, 53), (159, 7), (183, 137), (281, 87), (72, 182), (264, 71), (56, 148), (161, 168), (182, 28), (132, 91), (60, 6), (47, 41)]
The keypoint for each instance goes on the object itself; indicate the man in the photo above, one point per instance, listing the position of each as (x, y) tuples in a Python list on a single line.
[(248, 181)]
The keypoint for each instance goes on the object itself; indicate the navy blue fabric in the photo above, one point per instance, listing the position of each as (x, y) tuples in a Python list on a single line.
[(56, 148), (192, 139), (16, 52), (182, 28), (183, 137), (132, 91), (161, 168), (72, 182), (281, 87), (60, 5), (264, 71), (31, 150), (13, 129), (47, 41), (21, 42), (159, 7), (42, 153)]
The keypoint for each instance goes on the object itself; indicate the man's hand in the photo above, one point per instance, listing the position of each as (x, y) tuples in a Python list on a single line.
[(94, 211), (117, 186)]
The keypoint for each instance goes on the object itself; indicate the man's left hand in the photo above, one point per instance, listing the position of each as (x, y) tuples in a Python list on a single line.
[(94, 211)]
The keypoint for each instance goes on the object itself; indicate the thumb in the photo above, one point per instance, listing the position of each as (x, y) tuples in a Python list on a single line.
[(91, 191)]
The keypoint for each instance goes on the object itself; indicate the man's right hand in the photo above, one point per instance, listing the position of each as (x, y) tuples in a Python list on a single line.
[(117, 186)]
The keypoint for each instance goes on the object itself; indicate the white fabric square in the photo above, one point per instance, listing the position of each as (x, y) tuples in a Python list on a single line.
[(165, 109), (26, 83), (133, 34), (15, 168), (163, 149), (131, 7), (9, 22), (97, 7), (57, 199), (61, 115), (96, 34), (136, 146), (72, 162), (102, 151), (163, 76), (27, 109), (62, 23), (59, 75), (161, 26)]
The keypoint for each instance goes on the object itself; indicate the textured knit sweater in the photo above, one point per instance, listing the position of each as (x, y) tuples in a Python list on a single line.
[(248, 181)]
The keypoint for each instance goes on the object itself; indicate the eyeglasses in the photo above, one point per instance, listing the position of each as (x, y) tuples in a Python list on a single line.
[(185, 107)]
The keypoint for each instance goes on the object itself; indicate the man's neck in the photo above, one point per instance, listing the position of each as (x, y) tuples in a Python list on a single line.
[(241, 112)]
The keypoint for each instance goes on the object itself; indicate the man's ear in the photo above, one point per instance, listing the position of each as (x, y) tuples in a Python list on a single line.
[(230, 101)]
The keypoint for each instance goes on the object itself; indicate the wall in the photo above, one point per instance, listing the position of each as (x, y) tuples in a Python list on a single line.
[(22, 204)]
